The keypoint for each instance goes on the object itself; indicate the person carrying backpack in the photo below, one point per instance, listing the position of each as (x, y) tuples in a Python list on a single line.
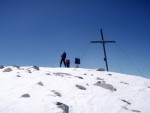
[(63, 58)]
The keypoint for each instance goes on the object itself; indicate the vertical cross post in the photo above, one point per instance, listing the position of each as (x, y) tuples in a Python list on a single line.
[(105, 56), (104, 42)]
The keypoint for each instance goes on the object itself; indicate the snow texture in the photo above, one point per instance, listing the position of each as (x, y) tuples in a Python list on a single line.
[(71, 90)]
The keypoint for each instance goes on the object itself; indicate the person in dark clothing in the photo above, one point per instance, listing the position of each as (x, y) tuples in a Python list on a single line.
[(67, 63), (63, 59), (77, 62)]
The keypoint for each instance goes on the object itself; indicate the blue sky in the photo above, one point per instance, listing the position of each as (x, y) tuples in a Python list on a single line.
[(36, 32)]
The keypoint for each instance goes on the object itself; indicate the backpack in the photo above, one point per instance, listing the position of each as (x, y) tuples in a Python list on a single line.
[(67, 61), (77, 60)]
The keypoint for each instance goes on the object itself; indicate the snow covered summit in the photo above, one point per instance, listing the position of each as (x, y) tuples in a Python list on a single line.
[(70, 90)]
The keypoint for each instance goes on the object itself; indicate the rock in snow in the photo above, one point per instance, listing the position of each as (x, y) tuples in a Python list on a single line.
[(106, 86), (64, 107), (70, 90), (1, 66), (80, 87), (100, 69), (40, 83), (25, 96), (56, 93), (7, 69)]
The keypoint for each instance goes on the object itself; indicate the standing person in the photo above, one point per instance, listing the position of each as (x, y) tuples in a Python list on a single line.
[(67, 63), (77, 62), (63, 58)]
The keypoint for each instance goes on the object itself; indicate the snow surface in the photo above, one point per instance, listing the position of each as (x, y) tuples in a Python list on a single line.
[(48, 86)]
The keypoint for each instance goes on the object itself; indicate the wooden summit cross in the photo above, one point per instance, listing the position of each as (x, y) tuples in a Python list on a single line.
[(104, 42)]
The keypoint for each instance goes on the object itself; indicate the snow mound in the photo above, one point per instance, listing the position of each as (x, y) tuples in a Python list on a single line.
[(35, 89)]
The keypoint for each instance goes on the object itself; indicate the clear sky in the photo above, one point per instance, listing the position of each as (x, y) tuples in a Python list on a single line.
[(36, 32)]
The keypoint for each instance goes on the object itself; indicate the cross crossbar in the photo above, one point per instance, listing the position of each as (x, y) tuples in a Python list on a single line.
[(103, 41)]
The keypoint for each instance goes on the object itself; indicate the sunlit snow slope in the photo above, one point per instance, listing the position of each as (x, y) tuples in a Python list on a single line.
[(71, 90)]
